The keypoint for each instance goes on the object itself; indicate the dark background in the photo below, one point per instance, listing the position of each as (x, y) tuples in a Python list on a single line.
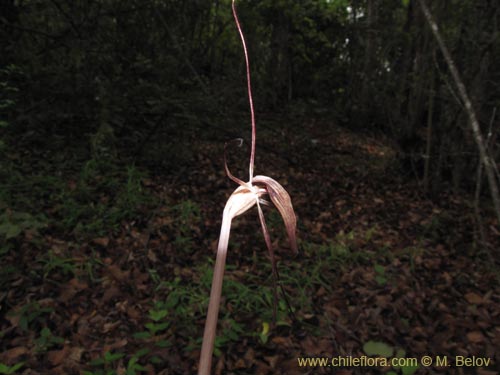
[(113, 119)]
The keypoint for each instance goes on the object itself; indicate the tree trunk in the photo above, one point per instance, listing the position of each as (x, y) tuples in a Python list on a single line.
[(476, 130)]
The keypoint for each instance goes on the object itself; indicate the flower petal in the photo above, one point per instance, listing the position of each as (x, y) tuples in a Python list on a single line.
[(283, 203), (239, 202)]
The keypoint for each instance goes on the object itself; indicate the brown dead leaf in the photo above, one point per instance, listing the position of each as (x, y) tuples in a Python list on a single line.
[(152, 256), (285, 342), (75, 354), (474, 298), (321, 291), (110, 293), (13, 319), (240, 363), (69, 290), (482, 371), (110, 327), (249, 355), (11, 356), (118, 274), (56, 357), (263, 369), (133, 313), (59, 370), (101, 241), (272, 360), (115, 345), (310, 346), (475, 336), (383, 301)]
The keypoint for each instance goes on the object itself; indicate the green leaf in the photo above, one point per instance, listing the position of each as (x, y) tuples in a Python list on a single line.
[(45, 332), (409, 370), (141, 352), (111, 357), (97, 362), (155, 327), (157, 315), (4, 369), (155, 360), (379, 269), (378, 348), (406, 3), (400, 353), (163, 344), (381, 280), (142, 335), (10, 230)]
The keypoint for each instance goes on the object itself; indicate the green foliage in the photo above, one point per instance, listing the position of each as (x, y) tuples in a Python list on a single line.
[(187, 301), (187, 217), (157, 314), (381, 349), (325, 259), (30, 314), (106, 364), (133, 367), (4, 369), (380, 276), (47, 340), (180, 299), (14, 223), (54, 263), (231, 331), (407, 369), (264, 333), (103, 196), (90, 204), (378, 349)]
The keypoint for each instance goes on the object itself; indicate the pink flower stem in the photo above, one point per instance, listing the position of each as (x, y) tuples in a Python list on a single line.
[(207, 346), (249, 88)]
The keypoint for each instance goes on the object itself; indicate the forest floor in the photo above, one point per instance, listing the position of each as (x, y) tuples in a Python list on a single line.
[(381, 269)]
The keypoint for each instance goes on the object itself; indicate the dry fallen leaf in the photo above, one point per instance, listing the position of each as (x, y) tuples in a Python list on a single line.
[(56, 357), (69, 290), (118, 274), (475, 337), (474, 298), (102, 241), (11, 356)]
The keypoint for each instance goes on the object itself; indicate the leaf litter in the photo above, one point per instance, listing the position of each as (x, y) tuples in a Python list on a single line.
[(378, 262)]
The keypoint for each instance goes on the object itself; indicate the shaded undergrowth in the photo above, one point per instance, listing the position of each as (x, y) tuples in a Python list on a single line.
[(107, 268)]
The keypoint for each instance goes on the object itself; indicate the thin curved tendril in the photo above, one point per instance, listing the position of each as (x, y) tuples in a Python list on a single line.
[(249, 86), (229, 174)]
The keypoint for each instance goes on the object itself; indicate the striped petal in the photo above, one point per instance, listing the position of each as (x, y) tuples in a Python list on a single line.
[(281, 199), (239, 202)]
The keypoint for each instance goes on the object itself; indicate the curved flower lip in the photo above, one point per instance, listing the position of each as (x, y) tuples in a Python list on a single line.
[(281, 199), (246, 196), (240, 201)]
